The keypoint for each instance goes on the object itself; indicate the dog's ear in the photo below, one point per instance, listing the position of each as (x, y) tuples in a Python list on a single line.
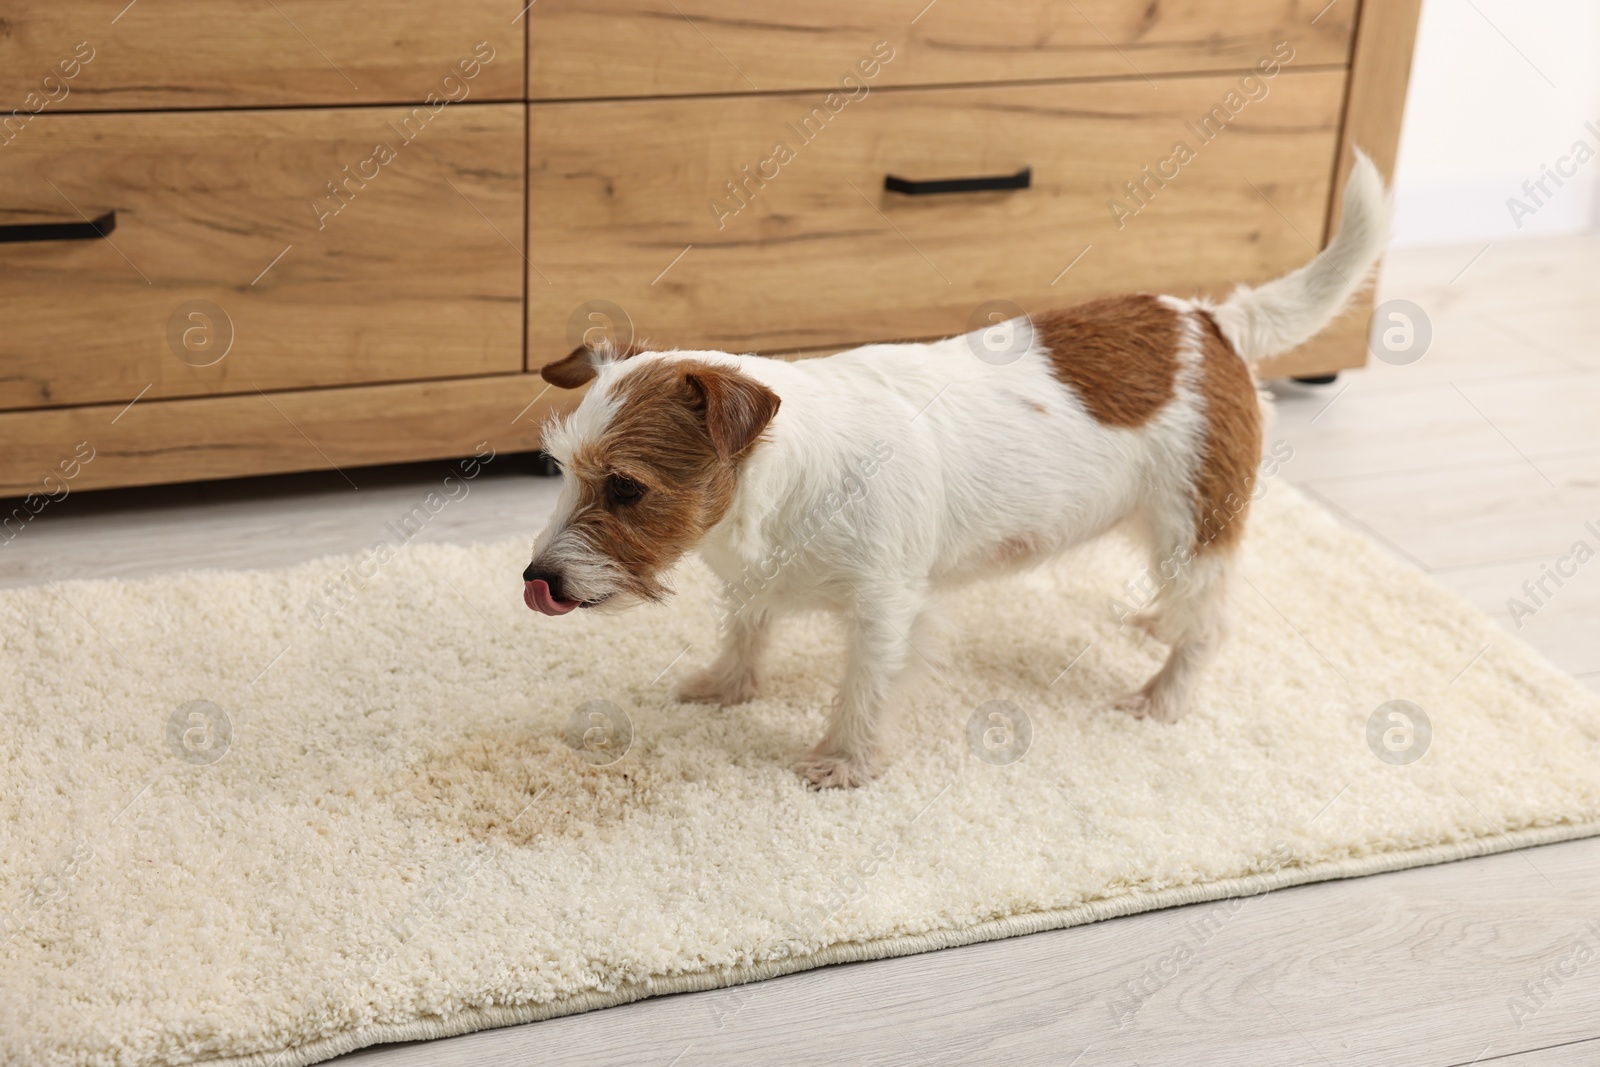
[(569, 373), (583, 363), (738, 408)]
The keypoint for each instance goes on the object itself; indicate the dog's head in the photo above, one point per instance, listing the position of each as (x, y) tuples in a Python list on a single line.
[(649, 464)]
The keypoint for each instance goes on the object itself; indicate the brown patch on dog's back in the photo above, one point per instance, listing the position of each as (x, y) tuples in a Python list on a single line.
[(1231, 450), (1119, 354)]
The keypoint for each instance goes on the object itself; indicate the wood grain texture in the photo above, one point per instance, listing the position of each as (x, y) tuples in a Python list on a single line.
[(1374, 108), (158, 441), (583, 48), (240, 53), (414, 276), (1499, 513), (823, 255), (1380, 71), (1579, 1053)]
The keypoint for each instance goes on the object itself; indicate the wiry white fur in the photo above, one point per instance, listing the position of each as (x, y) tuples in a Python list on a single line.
[(1189, 613), (589, 573), (892, 472), (1272, 318)]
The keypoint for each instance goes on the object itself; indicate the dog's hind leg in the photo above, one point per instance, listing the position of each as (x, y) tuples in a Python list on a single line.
[(1191, 615), (735, 675), (880, 646), (1196, 527)]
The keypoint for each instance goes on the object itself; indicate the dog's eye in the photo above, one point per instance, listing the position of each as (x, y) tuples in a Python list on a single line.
[(623, 490)]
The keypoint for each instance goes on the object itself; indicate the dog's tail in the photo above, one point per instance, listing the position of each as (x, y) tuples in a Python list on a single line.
[(1272, 318)]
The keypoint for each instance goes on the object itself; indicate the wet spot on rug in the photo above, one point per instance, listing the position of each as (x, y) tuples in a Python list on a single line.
[(518, 787)]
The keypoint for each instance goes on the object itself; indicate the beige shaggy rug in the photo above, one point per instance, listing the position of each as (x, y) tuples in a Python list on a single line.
[(267, 817)]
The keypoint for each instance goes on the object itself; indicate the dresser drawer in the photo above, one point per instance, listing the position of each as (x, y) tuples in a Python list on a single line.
[(236, 264), (818, 253), (74, 55), (662, 47)]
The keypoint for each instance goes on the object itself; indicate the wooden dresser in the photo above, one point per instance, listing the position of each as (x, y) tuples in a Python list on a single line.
[(241, 237)]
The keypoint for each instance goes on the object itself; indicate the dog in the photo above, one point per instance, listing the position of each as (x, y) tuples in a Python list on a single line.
[(866, 481)]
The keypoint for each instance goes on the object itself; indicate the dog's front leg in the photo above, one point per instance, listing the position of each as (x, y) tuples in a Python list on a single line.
[(734, 677), (879, 631)]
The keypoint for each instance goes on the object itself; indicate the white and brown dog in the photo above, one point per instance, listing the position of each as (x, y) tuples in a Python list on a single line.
[(1133, 408)]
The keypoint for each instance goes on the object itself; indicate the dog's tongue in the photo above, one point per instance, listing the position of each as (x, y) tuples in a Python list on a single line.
[(536, 594)]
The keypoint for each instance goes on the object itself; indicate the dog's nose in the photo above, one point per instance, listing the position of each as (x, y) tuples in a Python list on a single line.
[(551, 579)]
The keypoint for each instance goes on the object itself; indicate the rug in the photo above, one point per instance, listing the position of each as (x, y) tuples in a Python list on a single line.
[(268, 817)]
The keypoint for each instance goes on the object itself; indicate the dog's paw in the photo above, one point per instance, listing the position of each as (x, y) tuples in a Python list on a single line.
[(1152, 625), (836, 772), (712, 687), (1152, 703), (1135, 704)]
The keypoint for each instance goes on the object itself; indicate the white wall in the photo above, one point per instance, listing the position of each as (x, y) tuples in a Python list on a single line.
[(1500, 91)]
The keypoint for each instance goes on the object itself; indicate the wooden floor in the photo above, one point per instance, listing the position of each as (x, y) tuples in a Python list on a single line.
[(1479, 462)]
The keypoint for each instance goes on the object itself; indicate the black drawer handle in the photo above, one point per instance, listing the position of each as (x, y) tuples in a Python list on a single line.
[(1022, 179), (58, 231)]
